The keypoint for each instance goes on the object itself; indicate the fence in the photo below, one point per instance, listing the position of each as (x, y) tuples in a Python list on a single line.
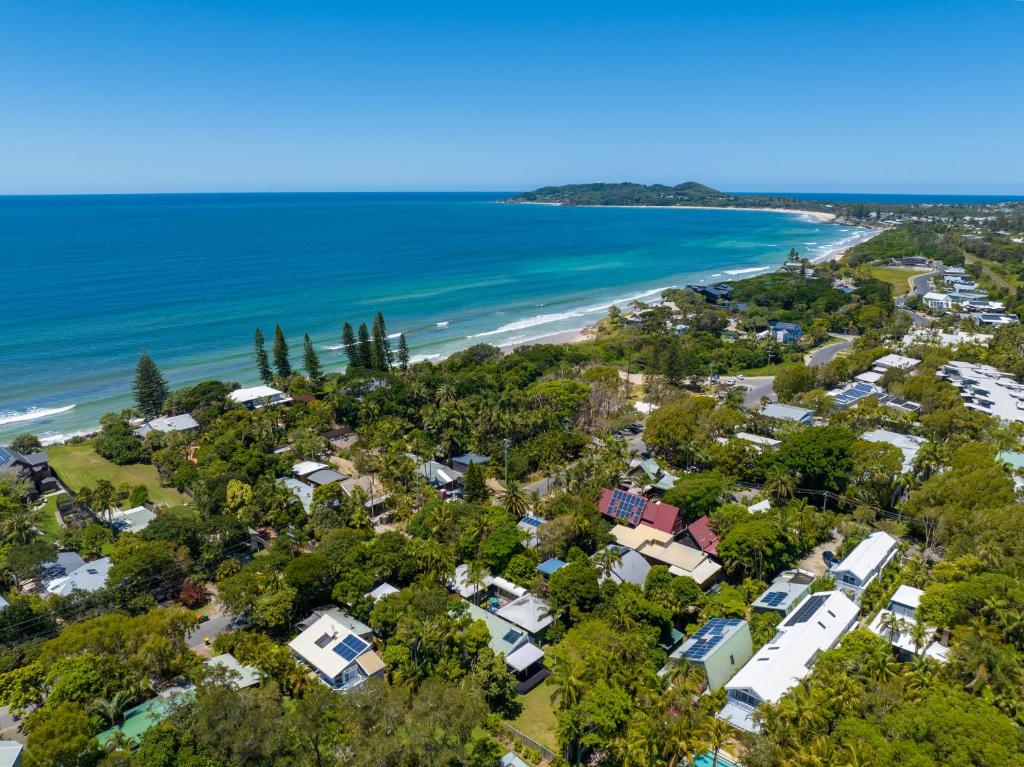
[(527, 742)]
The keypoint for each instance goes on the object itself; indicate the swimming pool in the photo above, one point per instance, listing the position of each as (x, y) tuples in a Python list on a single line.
[(706, 760)]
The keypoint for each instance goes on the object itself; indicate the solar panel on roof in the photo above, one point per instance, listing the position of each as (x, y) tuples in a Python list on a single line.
[(626, 506), (5, 455), (512, 636), (350, 647), (708, 637), (774, 598), (807, 609)]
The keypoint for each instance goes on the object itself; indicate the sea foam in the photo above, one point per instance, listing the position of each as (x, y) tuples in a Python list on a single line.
[(32, 414)]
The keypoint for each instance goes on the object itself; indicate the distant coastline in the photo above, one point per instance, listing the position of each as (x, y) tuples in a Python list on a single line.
[(816, 214)]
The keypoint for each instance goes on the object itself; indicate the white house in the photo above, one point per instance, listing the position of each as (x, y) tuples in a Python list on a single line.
[(167, 424), (815, 626), (938, 301), (258, 396), (133, 520), (92, 576), (530, 613), (341, 659), (894, 362), (862, 565), (904, 604)]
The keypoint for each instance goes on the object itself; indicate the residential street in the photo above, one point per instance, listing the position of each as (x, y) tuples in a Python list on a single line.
[(828, 352), (757, 387)]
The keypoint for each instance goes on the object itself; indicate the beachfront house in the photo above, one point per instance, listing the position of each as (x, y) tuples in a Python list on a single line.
[(865, 563), (166, 425), (254, 397), (790, 413), (785, 592), (719, 649), (341, 658), (896, 623), (33, 469), (817, 625)]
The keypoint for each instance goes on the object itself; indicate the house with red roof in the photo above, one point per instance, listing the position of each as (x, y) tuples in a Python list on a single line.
[(700, 535), (632, 509)]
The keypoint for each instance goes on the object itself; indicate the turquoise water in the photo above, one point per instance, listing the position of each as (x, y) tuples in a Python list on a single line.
[(90, 281)]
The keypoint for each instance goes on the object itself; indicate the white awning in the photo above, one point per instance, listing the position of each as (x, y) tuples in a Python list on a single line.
[(521, 659)]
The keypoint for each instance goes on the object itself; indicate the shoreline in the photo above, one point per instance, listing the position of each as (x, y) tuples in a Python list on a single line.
[(820, 215)]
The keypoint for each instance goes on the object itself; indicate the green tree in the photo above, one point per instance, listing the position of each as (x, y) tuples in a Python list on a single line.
[(697, 494), (149, 387), (793, 380), (348, 340), (311, 361), (262, 362), (61, 736), (365, 347), (26, 444), (403, 352), (281, 362), (381, 354), (475, 484)]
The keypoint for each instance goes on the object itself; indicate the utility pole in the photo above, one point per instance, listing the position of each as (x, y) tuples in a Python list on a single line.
[(507, 443)]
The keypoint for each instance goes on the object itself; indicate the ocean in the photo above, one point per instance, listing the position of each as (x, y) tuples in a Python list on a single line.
[(91, 281)]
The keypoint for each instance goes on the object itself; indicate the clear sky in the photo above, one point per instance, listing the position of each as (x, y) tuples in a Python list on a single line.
[(183, 95)]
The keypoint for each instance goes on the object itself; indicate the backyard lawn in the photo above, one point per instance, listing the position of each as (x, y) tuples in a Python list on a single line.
[(896, 276), (538, 719), (79, 465)]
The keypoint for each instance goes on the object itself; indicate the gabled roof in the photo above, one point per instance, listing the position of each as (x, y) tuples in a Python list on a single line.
[(704, 535), (257, 394), (505, 638), (381, 591), (300, 490), (305, 468), (183, 422), (661, 516), (785, 591), (817, 625), (868, 555), (632, 569), (469, 458), (786, 412), (551, 566), (322, 477)]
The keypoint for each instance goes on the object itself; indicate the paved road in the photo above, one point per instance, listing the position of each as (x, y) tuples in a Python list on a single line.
[(828, 352), (542, 486), (919, 283), (218, 624), (757, 387)]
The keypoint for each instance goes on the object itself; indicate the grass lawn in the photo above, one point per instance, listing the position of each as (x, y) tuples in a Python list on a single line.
[(538, 719), (80, 465), (896, 276), (48, 519), (767, 370)]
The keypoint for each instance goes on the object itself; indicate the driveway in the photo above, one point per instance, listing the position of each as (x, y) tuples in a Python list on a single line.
[(757, 387), (542, 486), (828, 352)]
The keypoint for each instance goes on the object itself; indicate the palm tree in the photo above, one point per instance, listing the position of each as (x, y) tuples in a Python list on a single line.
[(716, 734), (779, 482), (112, 708), (892, 624), (566, 682), (476, 576), (514, 500), (607, 559)]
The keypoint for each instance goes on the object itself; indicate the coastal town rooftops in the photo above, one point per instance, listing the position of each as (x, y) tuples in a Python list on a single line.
[(633, 509), (908, 596), (322, 477), (758, 440), (381, 591), (787, 413), (660, 548), (171, 423), (703, 535), (867, 556)]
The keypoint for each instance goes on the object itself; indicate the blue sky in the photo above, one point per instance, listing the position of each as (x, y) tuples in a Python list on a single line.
[(114, 96)]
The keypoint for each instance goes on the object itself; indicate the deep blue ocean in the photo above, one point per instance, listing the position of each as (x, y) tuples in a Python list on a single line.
[(90, 281)]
